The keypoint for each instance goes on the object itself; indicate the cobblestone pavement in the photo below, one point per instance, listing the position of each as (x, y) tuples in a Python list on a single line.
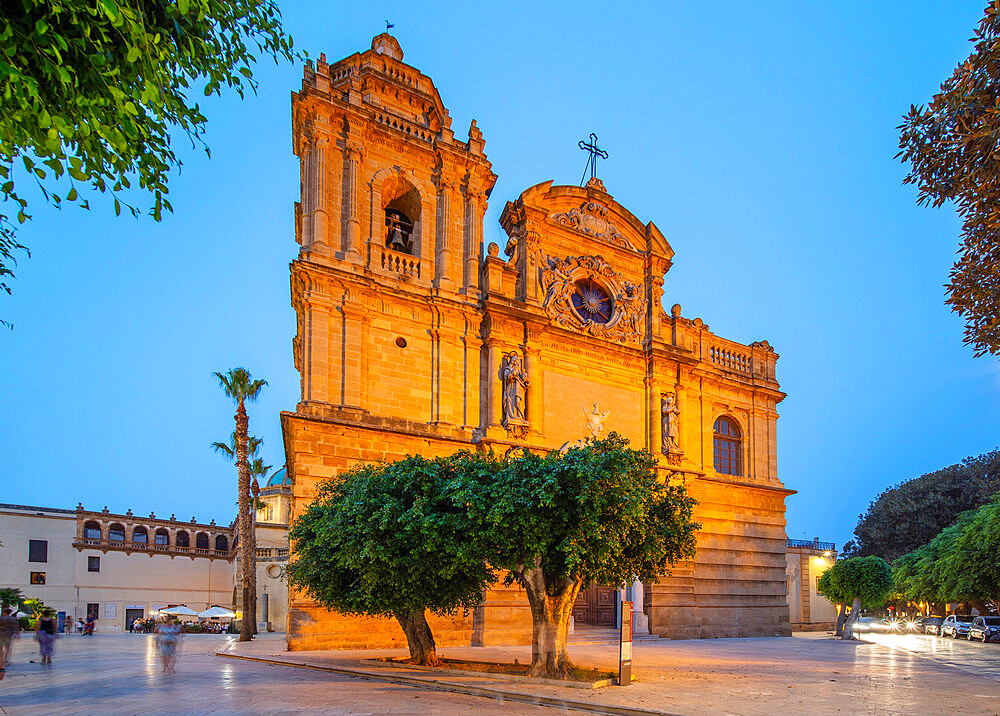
[(119, 674)]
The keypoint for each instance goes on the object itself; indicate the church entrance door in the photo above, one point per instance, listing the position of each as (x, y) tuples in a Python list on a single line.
[(595, 606)]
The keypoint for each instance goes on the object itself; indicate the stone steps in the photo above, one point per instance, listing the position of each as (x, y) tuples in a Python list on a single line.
[(605, 636)]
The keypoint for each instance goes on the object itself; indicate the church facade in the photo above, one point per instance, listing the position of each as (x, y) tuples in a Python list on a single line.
[(414, 338)]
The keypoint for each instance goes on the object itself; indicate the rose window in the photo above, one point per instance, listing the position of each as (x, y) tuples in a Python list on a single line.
[(591, 301)]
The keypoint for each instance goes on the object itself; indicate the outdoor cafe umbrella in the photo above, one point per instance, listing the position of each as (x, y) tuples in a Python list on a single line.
[(179, 611), (217, 613)]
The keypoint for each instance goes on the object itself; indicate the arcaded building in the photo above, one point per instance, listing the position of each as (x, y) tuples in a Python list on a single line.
[(415, 338)]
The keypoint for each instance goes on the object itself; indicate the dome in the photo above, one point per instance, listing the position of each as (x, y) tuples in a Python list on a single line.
[(279, 477)]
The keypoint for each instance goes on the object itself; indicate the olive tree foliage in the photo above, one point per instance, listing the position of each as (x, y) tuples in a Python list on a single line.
[(558, 522), (859, 581), (394, 539), (951, 147), (910, 514), (92, 90)]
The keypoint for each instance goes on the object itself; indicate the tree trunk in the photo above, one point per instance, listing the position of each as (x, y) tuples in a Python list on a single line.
[(551, 609), (418, 637), (841, 618), (253, 550), (855, 615), (247, 557)]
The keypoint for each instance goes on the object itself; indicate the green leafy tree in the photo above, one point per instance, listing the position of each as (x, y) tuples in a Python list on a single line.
[(951, 147), (910, 514), (559, 522), (958, 565), (92, 90), (240, 386), (394, 540), (860, 581)]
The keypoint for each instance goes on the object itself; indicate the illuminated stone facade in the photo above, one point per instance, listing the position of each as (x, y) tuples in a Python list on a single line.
[(413, 339)]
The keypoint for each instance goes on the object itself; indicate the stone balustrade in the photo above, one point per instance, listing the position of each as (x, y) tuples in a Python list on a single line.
[(403, 264)]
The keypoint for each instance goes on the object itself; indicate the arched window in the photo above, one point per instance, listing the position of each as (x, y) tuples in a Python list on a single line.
[(221, 544), (139, 535), (116, 533), (401, 207), (201, 541), (182, 540), (92, 530), (161, 537), (728, 447)]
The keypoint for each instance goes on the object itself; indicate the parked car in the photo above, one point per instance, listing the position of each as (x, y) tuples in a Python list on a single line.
[(956, 625), (932, 625), (863, 624), (984, 628)]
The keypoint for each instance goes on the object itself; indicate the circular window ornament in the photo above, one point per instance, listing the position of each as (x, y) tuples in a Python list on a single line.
[(591, 301), (273, 571)]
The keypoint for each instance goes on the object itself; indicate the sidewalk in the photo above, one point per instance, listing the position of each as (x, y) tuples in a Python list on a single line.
[(808, 674)]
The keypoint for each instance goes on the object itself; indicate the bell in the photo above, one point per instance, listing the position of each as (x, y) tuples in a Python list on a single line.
[(396, 242)]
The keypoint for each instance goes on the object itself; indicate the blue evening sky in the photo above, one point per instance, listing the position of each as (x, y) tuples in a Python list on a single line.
[(758, 136)]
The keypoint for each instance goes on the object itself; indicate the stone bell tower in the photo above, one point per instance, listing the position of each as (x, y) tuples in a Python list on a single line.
[(390, 223)]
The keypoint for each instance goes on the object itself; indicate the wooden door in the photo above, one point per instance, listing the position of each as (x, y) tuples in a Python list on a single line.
[(595, 606)]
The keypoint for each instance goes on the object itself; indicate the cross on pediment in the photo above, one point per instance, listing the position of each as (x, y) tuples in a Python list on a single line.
[(593, 152)]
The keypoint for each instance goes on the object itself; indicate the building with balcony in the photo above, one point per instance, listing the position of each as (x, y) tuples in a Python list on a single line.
[(806, 561), (113, 567)]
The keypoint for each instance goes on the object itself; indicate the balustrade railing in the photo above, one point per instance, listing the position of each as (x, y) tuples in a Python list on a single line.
[(403, 264), (146, 547), (811, 543), (731, 360)]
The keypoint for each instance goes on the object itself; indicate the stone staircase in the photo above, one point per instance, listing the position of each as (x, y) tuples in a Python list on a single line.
[(605, 635)]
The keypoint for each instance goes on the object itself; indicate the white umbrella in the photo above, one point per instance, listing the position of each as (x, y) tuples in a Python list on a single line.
[(217, 612), (179, 611)]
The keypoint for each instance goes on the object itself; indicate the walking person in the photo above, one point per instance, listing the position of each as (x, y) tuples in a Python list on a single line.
[(45, 633), (168, 635), (10, 629)]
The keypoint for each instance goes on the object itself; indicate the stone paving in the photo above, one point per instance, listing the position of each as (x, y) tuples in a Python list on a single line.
[(805, 674), (119, 674), (808, 674)]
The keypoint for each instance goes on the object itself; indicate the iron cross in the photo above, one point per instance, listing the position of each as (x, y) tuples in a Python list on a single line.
[(594, 152)]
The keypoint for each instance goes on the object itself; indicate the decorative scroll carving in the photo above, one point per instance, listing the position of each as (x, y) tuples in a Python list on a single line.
[(590, 218), (559, 284), (515, 383)]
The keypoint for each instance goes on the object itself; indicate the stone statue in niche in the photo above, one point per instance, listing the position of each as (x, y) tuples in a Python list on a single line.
[(670, 412), (514, 379)]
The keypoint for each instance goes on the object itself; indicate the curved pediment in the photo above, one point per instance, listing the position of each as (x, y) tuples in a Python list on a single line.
[(592, 213)]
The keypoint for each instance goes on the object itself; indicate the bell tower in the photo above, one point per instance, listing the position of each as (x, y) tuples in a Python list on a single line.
[(386, 283)]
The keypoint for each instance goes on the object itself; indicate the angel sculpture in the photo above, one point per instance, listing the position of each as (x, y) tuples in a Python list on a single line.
[(595, 420)]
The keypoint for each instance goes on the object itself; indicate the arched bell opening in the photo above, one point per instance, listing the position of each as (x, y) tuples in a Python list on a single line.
[(401, 214)]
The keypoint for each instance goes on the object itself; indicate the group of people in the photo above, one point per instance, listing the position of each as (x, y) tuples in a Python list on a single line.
[(46, 630), (168, 634), (148, 626)]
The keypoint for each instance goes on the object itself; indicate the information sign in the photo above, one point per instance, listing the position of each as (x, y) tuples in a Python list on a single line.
[(625, 651)]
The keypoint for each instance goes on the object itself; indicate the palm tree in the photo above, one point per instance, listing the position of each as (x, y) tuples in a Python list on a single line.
[(11, 597), (257, 469), (229, 452), (239, 385)]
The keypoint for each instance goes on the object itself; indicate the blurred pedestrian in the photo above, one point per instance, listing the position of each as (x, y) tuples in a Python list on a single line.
[(45, 633), (168, 634), (10, 629)]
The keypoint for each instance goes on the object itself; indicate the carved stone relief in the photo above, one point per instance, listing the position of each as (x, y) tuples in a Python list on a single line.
[(559, 284), (591, 219)]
